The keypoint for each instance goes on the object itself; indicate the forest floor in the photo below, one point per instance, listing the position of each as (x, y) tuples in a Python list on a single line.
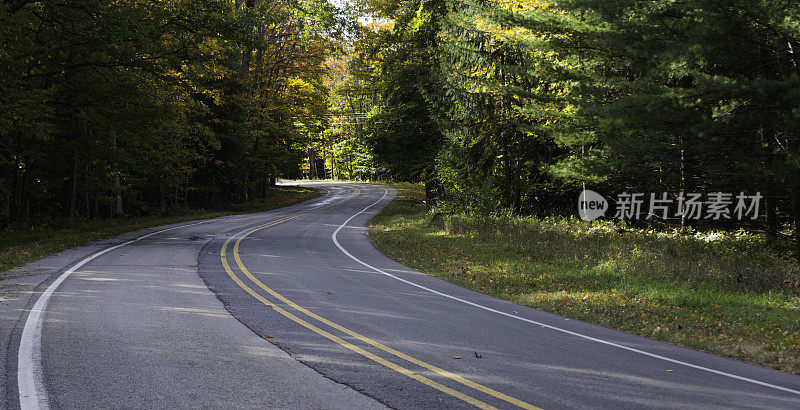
[(18, 247), (729, 294)]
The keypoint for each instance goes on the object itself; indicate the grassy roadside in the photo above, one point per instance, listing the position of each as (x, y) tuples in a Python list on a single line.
[(19, 247), (726, 294)]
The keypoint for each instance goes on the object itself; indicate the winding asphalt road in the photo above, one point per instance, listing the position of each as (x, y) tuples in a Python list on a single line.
[(295, 308)]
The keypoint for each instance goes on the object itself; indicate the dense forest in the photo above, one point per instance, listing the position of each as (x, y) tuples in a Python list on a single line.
[(143, 107), (518, 106), (135, 107)]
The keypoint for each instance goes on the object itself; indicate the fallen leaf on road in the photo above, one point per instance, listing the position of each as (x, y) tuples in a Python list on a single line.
[(269, 336), (456, 357)]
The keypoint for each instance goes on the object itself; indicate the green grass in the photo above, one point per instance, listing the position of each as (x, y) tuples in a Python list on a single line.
[(18, 247), (725, 293)]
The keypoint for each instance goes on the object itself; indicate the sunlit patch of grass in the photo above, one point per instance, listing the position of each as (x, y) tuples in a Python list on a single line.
[(725, 293), (18, 247)]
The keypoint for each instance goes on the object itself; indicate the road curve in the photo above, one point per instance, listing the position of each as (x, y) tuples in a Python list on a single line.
[(297, 308)]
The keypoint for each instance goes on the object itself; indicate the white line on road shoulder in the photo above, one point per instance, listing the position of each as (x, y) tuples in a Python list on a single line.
[(558, 329), (32, 394)]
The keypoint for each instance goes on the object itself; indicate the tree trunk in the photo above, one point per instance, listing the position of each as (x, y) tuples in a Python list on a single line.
[(162, 187), (118, 211), (247, 55), (686, 177), (517, 200), (312, 164), (7, 206), (431, 191), (73, 196), (770, 210), (683, 184), (86, 200), (508, 172), (15, 192), (350, 161), (794, 189), (26, 197), (795, 196), (334, 170), (259, 58), (162, 199)]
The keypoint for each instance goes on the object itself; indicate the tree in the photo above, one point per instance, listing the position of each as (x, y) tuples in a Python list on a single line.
[(113, 108)]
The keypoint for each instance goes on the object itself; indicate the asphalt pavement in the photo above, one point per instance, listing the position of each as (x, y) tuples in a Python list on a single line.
[(295, 308)]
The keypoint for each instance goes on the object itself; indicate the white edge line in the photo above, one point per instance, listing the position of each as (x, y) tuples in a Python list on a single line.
[(32, 394), (558, 329)]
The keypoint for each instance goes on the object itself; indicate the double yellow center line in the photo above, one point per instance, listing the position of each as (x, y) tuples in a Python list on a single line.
[(400, 369)]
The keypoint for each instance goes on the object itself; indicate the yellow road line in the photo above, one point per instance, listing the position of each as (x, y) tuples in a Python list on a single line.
[(358, 336), (422, 379), (280, 221)]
